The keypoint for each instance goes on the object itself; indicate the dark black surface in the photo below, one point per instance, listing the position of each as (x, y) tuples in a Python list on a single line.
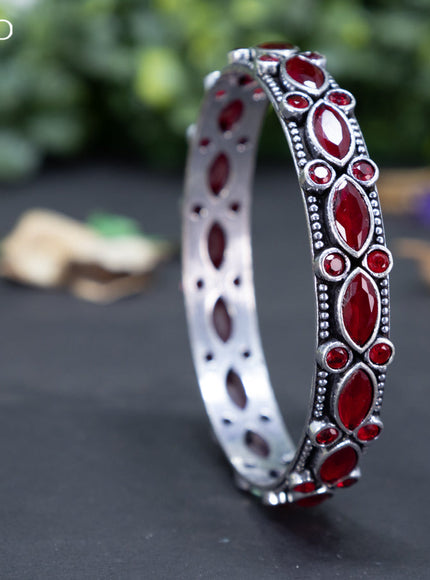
[(107, 466)]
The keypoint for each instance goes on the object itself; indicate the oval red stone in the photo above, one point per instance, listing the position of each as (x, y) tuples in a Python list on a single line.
[(355, 399), (368, 432), (319, 173), (331, 131), (305, 487), (312, 500), (352, 218), (221, 320), (337, 357), (297, 101), (380, 353), (327, 436), (347, 482), (305, 73), (378, 261), (334, 264), (218, 173), (363, 170), (216, 245), (360, 309), (338, 465), (339, 98), (230, 115)]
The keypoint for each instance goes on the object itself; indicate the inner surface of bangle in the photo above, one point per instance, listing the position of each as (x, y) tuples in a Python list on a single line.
[(218, 282)]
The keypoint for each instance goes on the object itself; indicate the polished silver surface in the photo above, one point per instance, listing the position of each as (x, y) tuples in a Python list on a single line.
[(218, 285)]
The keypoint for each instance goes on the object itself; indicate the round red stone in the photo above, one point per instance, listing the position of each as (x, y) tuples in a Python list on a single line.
[(347, 482), (312, 500), (355, 399), (319, 173), (297, 101), (305, 487), (230, 115), (378, 261), (268, 58), (314, 55), (331, 131), (218, 173), (363, 170), (380, 353), (368, 432), (338, 465), (305, 72), (327, 436), (337, 357), (360, 309), (334, 264), (351, 214), (339, 98), (276, 45)]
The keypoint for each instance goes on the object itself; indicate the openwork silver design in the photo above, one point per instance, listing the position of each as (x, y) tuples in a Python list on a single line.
[(351, 264)]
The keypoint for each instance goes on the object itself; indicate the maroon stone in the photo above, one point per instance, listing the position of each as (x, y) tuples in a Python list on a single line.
[(334, 264), (314, 55), (257, 444), (337, 358), (351, 214), (216, 245), (347, 482), (339, 98), (297, 101), (320, 173), (218, 173), (276, 45), (327, 436), (305, 72), (331, 131), (380, 353), (360, 309), (268, 58), (235, 389), (305, 487), (368, 432), (363, 170), (338, 465), (312, 500), (378, 261), (221, 320), (355, 399), (230, 115)]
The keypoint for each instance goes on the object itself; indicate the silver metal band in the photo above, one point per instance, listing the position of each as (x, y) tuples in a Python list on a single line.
[(352, 293)]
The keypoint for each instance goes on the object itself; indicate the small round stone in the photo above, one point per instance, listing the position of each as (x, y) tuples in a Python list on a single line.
[(363, 170), (337, 358), (339, 98), (327, 436), (334, 264), (378, 261), (319, 173), (380, 353), (297, 101), (313, 55), (368, 432), (305, 487)]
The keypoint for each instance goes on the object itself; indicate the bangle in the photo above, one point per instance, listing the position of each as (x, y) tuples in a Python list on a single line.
[(350, 260)]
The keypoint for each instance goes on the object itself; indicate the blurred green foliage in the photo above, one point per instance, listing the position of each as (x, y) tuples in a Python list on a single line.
[(125, 76)]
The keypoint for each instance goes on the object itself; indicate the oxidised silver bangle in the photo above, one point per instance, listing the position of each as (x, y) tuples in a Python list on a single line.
[(351, 266)]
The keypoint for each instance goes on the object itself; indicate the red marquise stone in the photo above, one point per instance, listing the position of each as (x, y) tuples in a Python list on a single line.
[(305, 487), (218, 173), (331, 131), (337, 357), (355, 399), (360, 309), (368, 432), (230, 115), (276, 45), (297, 101), (216, 245), (312, 500), (305, 72), (363, 170), (334, 264), (338, 465), (378, 261), (339, 98), (319, 173), (380, 353), (351, 214), (327, 436), (221, 320)]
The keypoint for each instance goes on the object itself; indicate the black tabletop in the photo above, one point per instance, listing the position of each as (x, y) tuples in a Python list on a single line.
[(108, 468)]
